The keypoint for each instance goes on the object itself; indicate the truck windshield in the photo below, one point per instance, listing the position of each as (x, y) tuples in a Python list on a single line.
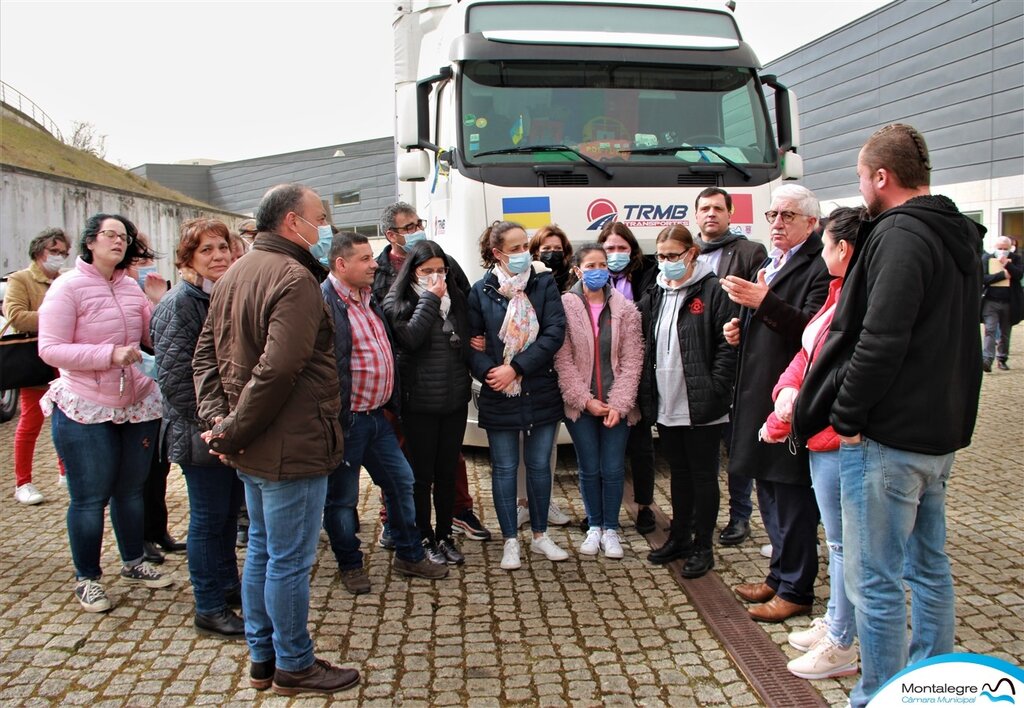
[(613, 113)]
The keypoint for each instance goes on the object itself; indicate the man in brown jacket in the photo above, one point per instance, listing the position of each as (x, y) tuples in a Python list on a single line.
[(266, 382)]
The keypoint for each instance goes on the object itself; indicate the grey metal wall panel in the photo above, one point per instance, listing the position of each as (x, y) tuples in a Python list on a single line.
[(953, 69)]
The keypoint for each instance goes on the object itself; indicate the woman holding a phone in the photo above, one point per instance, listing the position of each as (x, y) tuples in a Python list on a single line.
[(430, 327)]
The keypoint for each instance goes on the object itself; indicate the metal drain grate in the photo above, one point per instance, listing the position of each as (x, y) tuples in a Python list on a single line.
[(757, 657)]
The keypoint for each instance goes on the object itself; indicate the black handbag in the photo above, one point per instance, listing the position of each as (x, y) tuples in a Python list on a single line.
[(20, 365)]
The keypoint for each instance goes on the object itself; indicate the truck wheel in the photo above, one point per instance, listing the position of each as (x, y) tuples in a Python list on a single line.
[(8, 404)]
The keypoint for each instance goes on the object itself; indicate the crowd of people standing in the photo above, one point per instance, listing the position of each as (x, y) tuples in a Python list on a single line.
[(285, 361)]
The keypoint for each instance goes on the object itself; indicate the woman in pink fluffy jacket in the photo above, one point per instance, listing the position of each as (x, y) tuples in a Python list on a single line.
[(599, 369)]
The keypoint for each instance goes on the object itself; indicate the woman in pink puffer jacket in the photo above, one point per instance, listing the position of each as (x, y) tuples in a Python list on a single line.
[(599, 369), (105, 411)]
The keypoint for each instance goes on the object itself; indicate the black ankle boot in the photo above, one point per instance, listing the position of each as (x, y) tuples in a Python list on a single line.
[(676, 547), (699, 563)]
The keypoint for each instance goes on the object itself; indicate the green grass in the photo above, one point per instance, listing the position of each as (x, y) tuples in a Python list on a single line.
[(28, 148)]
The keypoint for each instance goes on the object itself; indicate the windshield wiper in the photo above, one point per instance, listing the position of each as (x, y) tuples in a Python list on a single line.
[(671, 149), (549, 148)]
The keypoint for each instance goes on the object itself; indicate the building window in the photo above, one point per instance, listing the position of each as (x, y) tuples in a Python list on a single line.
[(346, 198), (1011, 223), (975, 216), (367, 230)]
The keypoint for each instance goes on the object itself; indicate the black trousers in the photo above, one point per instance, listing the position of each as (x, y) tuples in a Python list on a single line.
[(640, 451), (692, 453), (790, 516), (154, 498), (433, 443)]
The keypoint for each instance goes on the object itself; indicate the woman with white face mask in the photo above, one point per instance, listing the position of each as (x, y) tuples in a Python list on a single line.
[(598, 372), (519, 313), (687, 389), (25, 292), (428, 315)]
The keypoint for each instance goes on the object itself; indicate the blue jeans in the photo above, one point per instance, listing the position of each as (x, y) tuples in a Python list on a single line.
[(601, 455), (894, 513), (214, 495), (504, 447), (105, 462), (284, 527), (839, 616), (371, 442)]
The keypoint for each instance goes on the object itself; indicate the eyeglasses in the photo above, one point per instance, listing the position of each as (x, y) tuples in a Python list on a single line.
[(787, 216), (57, 252), (114, 235), (670, 257), (409, 228), (454, 341), (247, 232), (431, 271)]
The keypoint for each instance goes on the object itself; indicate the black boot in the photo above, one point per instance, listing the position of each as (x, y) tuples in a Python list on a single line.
[(678, 545), (224, 624), (699, 563)]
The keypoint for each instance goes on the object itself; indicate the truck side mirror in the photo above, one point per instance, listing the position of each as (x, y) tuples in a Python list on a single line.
[(413, 166)]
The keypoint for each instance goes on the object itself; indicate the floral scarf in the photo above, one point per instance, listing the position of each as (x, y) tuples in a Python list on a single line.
[(520, 328)]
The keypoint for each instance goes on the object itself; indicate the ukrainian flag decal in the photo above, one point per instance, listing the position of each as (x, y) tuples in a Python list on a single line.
[(531, 212), (515, 133)]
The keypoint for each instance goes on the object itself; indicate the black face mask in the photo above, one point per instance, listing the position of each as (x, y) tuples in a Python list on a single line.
[(555, 260)]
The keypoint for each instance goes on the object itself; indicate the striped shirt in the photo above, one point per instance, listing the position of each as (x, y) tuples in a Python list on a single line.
[(372, 362)]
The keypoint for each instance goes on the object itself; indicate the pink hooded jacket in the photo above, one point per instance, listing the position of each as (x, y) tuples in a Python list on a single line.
[(82, 318), (574, 362)]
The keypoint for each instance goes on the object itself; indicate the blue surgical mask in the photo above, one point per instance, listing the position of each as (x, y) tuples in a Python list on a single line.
[(143, 271), (673, 270), (595, 278), (322, 247), (617, 262), (148, 365), (518, 262), (414, 238)]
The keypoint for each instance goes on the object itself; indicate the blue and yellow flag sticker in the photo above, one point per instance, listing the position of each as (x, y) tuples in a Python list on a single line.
[(531, 212), (516, 131)]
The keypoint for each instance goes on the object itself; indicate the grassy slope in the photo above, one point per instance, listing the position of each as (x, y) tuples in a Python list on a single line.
[(31, 149)]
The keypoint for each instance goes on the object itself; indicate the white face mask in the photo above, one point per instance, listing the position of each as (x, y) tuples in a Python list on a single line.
[(1002, 252), (54, 263)]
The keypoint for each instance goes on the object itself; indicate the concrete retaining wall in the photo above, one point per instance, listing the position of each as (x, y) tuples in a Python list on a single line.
[(31, 202)]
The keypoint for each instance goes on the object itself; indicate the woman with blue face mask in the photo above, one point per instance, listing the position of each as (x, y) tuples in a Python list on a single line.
[(686, 388), (632, 273), (598, 372), (519, 313)]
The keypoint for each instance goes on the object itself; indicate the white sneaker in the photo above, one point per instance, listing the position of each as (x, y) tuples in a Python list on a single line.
[(804, 639), (62, 480), (825, 659), (510, 555), (766, 550), (557, 517), (27, 494), (522, 516), (549, 548), (610, 544), (92, 596), (592, 543)]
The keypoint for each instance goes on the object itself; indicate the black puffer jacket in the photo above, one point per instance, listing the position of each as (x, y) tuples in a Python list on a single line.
[(540, 402), (435, 375), (174, 329), (709, 363)]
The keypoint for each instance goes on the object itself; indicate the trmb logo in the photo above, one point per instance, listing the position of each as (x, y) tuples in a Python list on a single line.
[(601, 211)]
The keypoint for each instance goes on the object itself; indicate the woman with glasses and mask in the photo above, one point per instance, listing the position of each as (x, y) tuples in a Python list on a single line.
[(25, 292), (631, 274), (428, 317), (687, 389), (105, 410), (598, 372), (519, 313)]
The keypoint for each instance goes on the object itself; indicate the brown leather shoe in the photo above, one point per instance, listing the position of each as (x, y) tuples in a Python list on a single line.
[(777, 609), (356, 581), (755, 592), (320, 677)]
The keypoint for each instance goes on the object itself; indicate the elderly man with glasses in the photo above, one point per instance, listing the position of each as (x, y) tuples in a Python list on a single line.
[(776, 305)]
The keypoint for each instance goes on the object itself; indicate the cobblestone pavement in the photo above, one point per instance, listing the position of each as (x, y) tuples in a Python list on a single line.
[(582, 633)]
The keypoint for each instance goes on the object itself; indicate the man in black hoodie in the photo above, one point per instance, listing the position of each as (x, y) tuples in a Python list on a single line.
[(899, 378)]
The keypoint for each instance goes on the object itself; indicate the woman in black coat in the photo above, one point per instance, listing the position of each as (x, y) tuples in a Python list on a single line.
[(519, 314), (430, 326), (214, 490)]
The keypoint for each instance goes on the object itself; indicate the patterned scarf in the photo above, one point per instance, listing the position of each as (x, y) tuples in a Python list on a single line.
[(520, 328)]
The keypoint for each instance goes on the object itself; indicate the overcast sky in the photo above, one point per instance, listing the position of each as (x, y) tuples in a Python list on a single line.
[(169, 81)]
